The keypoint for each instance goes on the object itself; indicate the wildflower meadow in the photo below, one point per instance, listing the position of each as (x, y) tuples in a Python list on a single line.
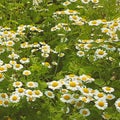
[(59, 59)]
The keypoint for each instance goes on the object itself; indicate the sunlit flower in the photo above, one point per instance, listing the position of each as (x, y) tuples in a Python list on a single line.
[(99, 53), (95, 1), (3, 68), (64, 91), (1, 77), (86, 91), (8, 65), (85, 1), (30, 98), (74, 18), (29, 93), (6, 103), (17, 84), (24, 60), (108, 89), (84, 99), (101, 104), (10, 43), (26, 72), (17, 66), (20, 91), (3, 96), (32, 84), (49, 94), (80, 53), (54, 85), (94, 22), (66, 3), (72, 85), (14, 98), (38, 93), (13, 56), (100, 95), (66, 98), (85, 112), (12, 62), (117, 104), (110, 96)]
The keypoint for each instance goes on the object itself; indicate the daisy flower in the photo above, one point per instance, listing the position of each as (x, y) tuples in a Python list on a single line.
[(117, 104), (72, 85), (95, 1), (1, 77), (26, 72), (6, 103), (99, 53), (86, 91), (32, 84), (13, 56), (29, 93), (84, 112), (67, 98), (80, 53), (20, 91), (66, 3), (10, 43), (17, 66), (108, 89), (24, 60), (85, 1), (110, 96), (49, 94), (14, 98), (38, 93), (100, 95), (106, 116), (3, 68), (30, 99), (54, 85), (101, 104), (17, 84), (3, 96)]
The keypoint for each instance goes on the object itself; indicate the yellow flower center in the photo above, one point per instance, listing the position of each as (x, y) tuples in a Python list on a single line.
[(14, 98), (84, 112), (3, 95), (101, 52), (108, 88), (100, 95), (66, 97), (24, 59), (101, 103), (1, 75), (72, 84), (37, 92), (2, 68), (49, 93), (1, 102), (118, 104), (55, 84), (6, 102), (20, 90), (85, 90), (31, 84), (17, 65), (30, 92)]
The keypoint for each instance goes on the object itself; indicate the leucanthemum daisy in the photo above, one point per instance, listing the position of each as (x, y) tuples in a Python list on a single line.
[(66, 98), (117, 104), (49, 94), (17, 66), (101, 104), (85, 112), (20, 91), (100, 95), (30, 99), (95, 1), (29, 93), (26, 72), (3, 96), (3, 68), (24, 60), (85, 1), (99, 53), (80, 53), (79, 104), (1, 77), (54, 85), (108, 89), (17, 84), (110, 96), (38, 93), (32, 84), (14, 98)]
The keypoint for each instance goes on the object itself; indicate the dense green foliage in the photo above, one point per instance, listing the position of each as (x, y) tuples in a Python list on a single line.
[(58, 58)]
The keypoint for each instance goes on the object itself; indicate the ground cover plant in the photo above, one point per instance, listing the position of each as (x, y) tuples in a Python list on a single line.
[(59, 59)]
